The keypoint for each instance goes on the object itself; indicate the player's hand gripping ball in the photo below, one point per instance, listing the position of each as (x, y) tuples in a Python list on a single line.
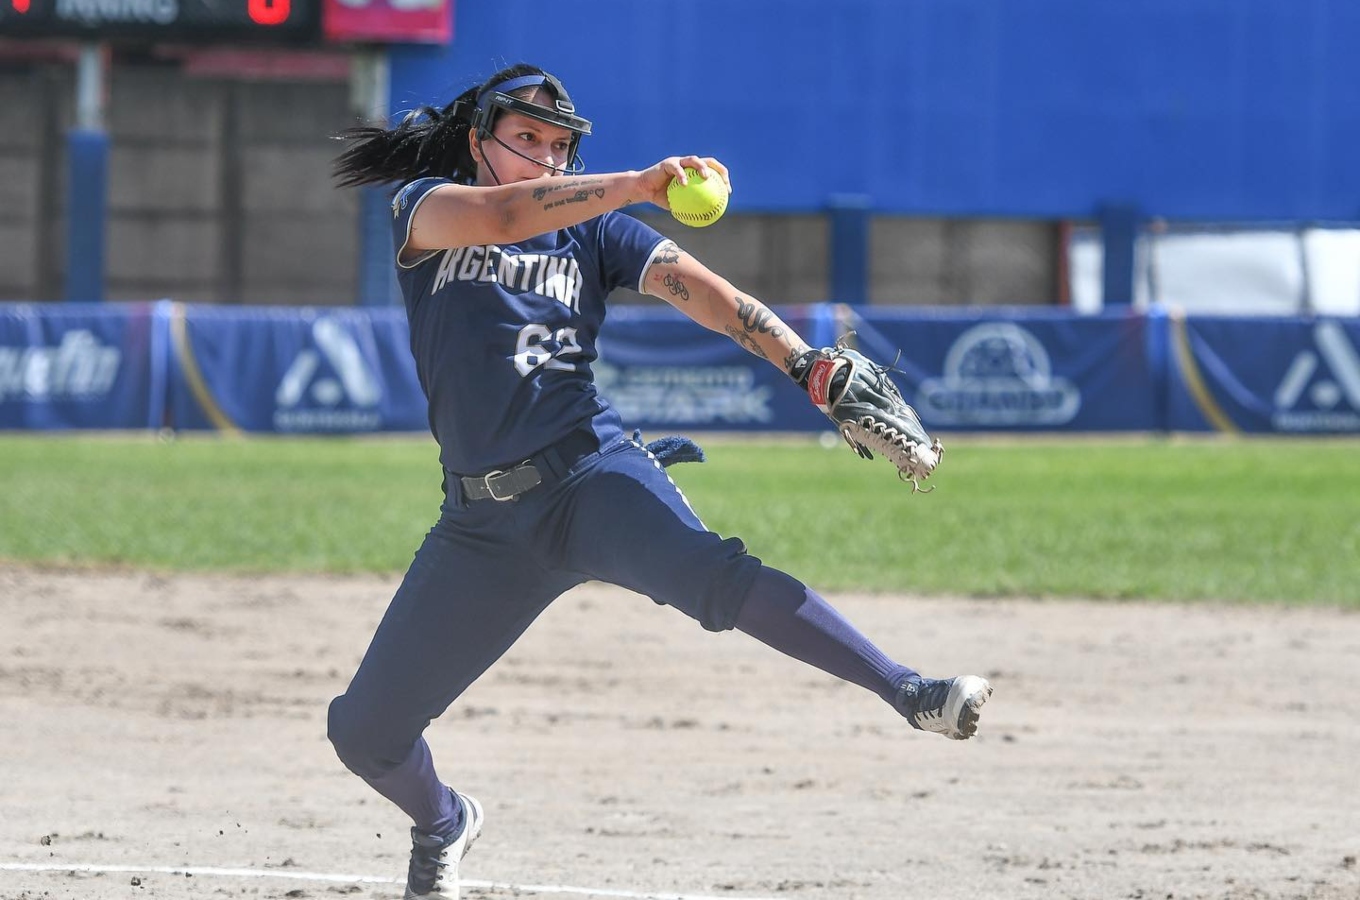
[(700, 202)]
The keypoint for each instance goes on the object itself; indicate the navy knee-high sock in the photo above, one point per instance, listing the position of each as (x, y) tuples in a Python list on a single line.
[(790, 617), (416, 788)]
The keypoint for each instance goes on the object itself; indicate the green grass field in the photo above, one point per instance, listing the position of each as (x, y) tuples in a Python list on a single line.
[(1237, 520)]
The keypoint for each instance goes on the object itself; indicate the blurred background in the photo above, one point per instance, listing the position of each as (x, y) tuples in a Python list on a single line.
[(1066, 215)]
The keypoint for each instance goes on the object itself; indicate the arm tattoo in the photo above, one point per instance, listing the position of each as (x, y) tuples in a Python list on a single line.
[(744, 338), (579, 188), (667, 253), (578, 197), (756, 318), (574, 184), (676, 284)]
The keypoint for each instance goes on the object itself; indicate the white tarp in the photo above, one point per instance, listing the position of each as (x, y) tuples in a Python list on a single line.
[(1230, 272)]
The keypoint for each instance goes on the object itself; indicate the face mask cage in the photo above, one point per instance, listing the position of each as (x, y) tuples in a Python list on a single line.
[(497, 99)]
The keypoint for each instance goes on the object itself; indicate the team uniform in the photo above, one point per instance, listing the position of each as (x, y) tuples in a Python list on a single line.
[(503, 339), (544, 490)]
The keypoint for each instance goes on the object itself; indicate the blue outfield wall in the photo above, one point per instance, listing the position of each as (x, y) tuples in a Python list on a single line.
[(1184, 109), (349, 370)]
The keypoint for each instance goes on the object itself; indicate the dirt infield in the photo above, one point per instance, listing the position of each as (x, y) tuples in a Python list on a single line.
[(150, 724)]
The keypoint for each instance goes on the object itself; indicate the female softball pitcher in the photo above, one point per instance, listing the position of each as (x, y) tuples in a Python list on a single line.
[(505, 253)]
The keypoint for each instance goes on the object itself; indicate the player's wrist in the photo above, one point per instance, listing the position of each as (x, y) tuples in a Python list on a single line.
[(801, 367), (635, 188), (823, 375)]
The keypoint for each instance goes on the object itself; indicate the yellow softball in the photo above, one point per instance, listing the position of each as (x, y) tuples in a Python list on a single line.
[(701, 202)]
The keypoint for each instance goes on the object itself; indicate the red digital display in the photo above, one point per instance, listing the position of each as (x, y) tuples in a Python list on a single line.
[(268, 12), (20, 6)]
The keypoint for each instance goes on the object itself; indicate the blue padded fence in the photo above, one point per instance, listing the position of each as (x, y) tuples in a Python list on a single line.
[(348, 370)]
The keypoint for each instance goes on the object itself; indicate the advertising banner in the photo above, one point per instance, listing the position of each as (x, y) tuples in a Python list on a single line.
[(292, 370), (1016, 370), (1282, 375), (662, 371), (77, 366), (388, 21), (349, 370)]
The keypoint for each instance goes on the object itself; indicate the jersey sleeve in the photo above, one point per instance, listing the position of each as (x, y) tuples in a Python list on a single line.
[(404, 204), (629, 246)]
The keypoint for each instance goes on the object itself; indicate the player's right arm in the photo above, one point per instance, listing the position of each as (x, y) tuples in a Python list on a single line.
[(457, 215)]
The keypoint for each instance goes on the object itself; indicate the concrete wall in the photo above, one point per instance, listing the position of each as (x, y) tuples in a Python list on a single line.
[(220, 191), (912, 261), (24, 243)]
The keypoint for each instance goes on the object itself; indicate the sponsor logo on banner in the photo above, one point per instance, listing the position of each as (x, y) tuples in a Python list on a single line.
[(79, 368), (329, 387), (1320, 391), (685, 395), (998, 373)]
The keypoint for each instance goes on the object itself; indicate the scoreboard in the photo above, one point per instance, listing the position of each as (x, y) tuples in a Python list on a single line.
[(214, 21)]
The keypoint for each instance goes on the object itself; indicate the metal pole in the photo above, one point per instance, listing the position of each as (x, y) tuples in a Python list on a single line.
[(88, 177), (370, 84), (849, 216), (370, 88), (1119, 226), (90, 87)]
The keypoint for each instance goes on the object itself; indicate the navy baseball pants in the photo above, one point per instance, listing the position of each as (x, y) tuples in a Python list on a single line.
[(488, 569)]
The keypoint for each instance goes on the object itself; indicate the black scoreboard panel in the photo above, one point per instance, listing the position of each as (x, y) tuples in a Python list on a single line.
[(212, 21)]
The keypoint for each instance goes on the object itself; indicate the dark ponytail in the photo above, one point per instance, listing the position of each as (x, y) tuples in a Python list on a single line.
[(428, 142)]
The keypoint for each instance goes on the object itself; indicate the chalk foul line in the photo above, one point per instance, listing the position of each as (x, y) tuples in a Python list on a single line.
[(221, 872)]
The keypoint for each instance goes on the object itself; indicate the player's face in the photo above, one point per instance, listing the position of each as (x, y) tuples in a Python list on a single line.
[(524, 148)]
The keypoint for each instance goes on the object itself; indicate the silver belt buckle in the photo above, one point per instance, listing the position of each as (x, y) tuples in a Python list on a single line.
[(490, 489)]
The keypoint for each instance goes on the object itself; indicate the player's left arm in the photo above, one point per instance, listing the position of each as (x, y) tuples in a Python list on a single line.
[(711, 300)]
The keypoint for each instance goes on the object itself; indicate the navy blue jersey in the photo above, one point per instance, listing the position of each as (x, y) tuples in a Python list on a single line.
[(503, 336)]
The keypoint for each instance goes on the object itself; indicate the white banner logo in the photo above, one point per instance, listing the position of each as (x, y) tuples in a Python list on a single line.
[(997, 373), (80, 368), (353, 381), (1304, 380), (685, 395)]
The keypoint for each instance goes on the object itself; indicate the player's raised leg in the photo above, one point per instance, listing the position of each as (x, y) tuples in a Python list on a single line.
[(660, 548), (785, 614)]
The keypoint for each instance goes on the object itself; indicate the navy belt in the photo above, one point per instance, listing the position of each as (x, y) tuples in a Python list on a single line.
[(551, 462)]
